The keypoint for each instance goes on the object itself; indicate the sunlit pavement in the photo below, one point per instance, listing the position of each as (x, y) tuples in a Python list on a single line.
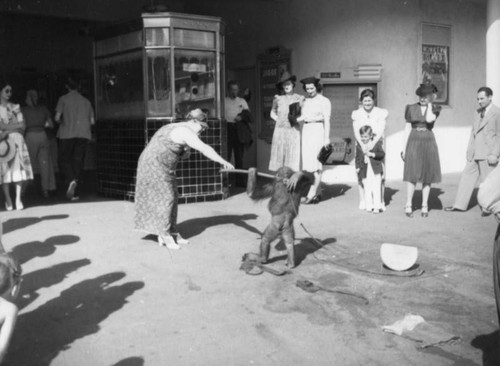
[(95, 292)]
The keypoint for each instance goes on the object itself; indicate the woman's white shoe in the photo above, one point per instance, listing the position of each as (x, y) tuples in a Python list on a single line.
[(180, 240), (168, 241)]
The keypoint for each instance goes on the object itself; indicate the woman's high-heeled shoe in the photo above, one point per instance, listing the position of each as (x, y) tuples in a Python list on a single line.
[(179, 239), (314, 200), (408, 211), (8, 206), (19, 205), (425, 211), (168, 241)]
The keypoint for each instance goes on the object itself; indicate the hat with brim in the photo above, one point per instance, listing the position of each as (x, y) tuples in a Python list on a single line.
[(398, 257), (426, 89), (7, 150), (310, 80), (198, 116), (286, 77)]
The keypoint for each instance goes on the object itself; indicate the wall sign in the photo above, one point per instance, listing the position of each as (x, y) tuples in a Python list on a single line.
[(434, 66), (270, 66), (435, 69), (330, 75)]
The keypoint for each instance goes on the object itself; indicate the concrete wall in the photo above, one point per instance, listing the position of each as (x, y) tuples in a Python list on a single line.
[(330, 35)]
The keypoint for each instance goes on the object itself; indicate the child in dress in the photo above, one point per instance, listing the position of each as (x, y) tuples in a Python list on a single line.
[(10, 276), (369, 167)]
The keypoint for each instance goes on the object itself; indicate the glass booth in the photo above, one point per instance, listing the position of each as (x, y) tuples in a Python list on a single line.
[(149, 73)]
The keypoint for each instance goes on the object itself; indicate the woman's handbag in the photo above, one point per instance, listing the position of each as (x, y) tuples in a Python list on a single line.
[(338, 152), (325, 153), (294, 111)]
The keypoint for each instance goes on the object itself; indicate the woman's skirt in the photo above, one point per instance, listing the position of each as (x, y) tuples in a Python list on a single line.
[(41, 162), (313, 138), (422, 158), (19, 168), (155, 197), (285, 149)]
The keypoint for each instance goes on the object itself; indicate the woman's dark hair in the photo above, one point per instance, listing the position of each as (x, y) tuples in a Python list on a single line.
[(4, 82), (317, 85), (367, 93)]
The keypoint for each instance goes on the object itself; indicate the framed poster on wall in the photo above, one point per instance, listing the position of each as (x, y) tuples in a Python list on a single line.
[(270, 66), (434, 65), (435, 69)]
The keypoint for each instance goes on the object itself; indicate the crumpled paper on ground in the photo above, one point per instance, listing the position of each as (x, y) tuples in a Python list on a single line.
[(415, 328)]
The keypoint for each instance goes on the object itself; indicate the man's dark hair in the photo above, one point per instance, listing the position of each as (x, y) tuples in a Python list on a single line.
[(71, 83), (230, 83), (486, 91)]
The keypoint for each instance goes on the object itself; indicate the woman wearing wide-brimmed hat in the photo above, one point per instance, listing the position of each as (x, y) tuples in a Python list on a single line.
[(285, 148), (156, 183), (421, 154)]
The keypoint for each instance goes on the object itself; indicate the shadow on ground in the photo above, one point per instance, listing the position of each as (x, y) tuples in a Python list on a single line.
[(434, 201), (130, 361), (490, 345), (388, 194), (194, 227), (33, 249), (305, 247), (335, 190), (51, 328), (22, 222), (46, 277)]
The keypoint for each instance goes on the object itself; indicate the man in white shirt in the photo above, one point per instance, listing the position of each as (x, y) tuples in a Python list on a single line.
[(233, 106)]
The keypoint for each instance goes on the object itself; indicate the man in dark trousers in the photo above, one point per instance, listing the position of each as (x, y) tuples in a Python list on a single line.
[(233, 107), (483, 150), (74, 132)]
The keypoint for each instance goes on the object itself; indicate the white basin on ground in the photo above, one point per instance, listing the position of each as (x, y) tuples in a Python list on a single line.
[(398, 257)]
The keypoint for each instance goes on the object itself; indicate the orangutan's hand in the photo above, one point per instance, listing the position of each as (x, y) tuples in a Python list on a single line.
[(292, 181)]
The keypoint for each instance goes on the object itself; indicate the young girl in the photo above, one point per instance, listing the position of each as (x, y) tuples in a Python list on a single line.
[(369, 167)]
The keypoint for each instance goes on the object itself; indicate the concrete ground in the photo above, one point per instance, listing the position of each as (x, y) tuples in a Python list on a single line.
[(97, 293)]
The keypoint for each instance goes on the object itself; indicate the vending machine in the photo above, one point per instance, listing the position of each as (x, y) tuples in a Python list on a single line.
[(149, 73)]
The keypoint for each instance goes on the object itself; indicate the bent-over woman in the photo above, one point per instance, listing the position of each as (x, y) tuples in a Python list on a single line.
[(156, 193)]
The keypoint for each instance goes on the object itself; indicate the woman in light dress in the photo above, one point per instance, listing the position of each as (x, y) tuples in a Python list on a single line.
[(285, 148), (156, 192), (18, 170), (316, 113), (369, 115)]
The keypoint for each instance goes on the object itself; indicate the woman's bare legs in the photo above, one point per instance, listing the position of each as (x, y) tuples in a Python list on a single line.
[(6, 193), (410, 190), (426, 189), (19, 190)]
